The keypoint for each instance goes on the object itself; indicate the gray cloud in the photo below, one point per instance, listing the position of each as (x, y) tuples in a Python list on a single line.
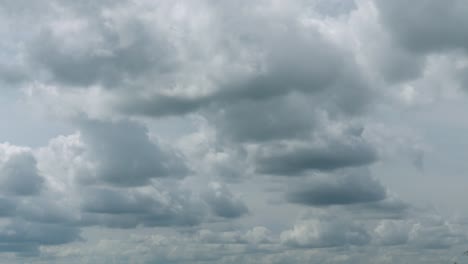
[(391, 233), (223, 203), (46, 210), (166, 97), (255, 236), (427, 232), (124, 154), (334, 8), (7, 206), (325, 232), (122, 202), (395, 63), (30, 217), (415, 28), (291, 65), (123, 50), (12, 74), (19, 175), (162, 105), (163, 69), (148, 207), (389, 208), (114, 201), (338, 190), (258, 121), (25, 237), (292, 160)]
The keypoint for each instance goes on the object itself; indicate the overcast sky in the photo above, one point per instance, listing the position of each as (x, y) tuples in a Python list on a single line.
[(266, 131)]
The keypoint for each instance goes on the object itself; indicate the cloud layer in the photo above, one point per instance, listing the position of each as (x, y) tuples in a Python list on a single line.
[(232, 132)]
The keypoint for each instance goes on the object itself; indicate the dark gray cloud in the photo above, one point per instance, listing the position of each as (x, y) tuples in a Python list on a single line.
[(293, 160), (162, 105), (223, 203), (124, 154), (338, 190)]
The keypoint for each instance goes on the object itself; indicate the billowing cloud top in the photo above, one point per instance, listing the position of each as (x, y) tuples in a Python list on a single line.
[(263, 131)]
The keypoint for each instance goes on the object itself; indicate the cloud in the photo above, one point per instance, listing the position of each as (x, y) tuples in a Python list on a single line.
[(259, 234), (389, 208), (223, 203), (30, 216), (427, 231), (293, 159), (259, 121), (146, 206), (102, 201), (325, 232), (186, 119), (390, 233), (438, 234), (18, 171), (155, 67), (256, 236), (7, 206), (124, 154), (38, 234), (334, 8), (113, 49), (338, 190), (414, 27), (210, 237)]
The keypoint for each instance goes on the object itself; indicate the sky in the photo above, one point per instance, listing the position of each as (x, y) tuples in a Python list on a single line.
[(249, 131)]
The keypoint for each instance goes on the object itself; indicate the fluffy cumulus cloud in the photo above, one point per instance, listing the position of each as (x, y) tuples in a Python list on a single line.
[(232, 131)]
